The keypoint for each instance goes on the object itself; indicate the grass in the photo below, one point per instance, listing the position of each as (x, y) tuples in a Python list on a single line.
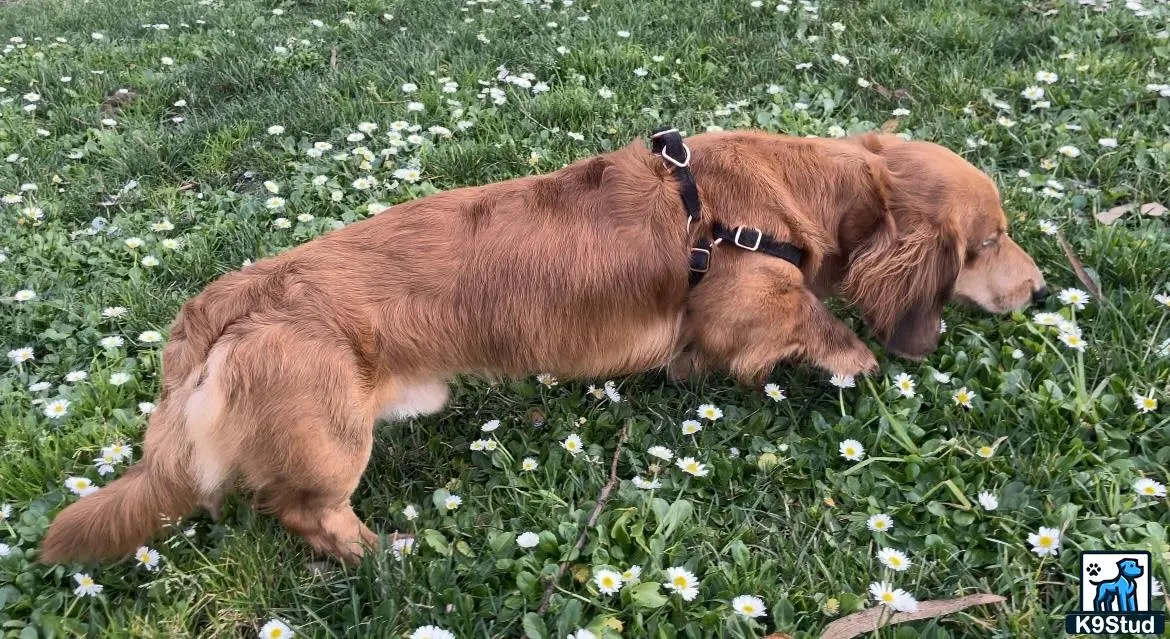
[(781, 515)]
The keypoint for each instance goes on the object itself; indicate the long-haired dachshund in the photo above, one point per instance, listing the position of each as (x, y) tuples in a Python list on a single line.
[(275, 374)]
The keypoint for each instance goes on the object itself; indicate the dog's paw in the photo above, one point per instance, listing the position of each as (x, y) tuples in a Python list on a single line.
[(854, 362)]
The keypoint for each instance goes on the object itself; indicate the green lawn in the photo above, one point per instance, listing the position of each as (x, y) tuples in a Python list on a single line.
[(171, 121)]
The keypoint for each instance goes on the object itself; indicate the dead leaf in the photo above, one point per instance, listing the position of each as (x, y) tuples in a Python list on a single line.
[(1078, 268), (1114, 214), (1153, 209), (896, 94), (867, 621), (778, 635), (889, 126)]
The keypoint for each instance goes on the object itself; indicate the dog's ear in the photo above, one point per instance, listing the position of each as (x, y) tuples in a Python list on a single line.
[(903, 274)]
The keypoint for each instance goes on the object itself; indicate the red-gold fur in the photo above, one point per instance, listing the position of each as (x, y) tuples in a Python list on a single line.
[(274, 374)]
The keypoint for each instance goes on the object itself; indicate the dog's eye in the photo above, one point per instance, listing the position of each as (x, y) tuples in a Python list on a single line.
[(991, 241)]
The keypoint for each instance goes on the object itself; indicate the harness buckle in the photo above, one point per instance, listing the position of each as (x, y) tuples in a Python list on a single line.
[(683, 163), (749, 246), (700, 259)]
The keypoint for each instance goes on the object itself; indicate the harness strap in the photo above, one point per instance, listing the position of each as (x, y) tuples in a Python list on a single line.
[(667, 143)]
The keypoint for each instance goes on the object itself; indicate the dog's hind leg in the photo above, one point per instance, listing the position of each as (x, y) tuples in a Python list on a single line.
[(310, 416)]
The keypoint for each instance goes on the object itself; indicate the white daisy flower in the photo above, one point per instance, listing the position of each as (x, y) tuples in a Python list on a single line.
[(24, 295), (147, 558), (573, 444), (898, 599), (20, 355), (452, 502), (691, 466), (410, 512), (431, 632), (963, 397), (710, 412), (1069, 151), (490, 425), (528, 540), (57, 408), (904, 384), (852, 450), (1045, 542), (880, 523), (988, 500), (1074, 297), (843, 381), (275, 129), (1147, 487), (773, 391), (607, 581), (691, 426), (80, 486), (276, 629), (749, 606), (528, 464), (895, 560), (632, 574), (653, 484), (118, 379), (1145, 403), (86, 586), (683, 582)]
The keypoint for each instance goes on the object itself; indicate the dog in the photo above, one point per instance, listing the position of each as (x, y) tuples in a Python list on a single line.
[(274, 375), (1122, 589)]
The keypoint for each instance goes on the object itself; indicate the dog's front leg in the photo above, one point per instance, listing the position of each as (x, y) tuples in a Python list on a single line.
[(759, 313)]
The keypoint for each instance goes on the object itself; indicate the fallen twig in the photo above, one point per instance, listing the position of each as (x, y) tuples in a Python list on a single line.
[(602, 498), (867, 621)]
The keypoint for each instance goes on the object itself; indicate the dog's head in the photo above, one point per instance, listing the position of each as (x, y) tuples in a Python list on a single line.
[(1129, 568), (941, 235)]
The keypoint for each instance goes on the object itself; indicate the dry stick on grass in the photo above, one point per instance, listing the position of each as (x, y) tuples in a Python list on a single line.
[(868, 621), (602, 498)]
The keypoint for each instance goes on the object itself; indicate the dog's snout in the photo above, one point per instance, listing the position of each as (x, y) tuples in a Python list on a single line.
[(1039, 294)]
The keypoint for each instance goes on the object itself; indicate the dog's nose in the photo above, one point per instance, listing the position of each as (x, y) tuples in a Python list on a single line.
[(1039, 294)]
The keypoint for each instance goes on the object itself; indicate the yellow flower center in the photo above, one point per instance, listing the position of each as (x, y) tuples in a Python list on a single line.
[(692, 467), (985, 451), (849, 450), (1045, 541), (680, 582), (1149, 490), (895, 561), (888, 597), (1148, 402), (748, 608)]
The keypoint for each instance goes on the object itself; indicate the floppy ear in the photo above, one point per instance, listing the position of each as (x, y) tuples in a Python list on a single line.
[(903, 275)]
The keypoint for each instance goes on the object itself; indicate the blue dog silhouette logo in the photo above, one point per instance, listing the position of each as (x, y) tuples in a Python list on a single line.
[(1116, 588), (1119, 594)]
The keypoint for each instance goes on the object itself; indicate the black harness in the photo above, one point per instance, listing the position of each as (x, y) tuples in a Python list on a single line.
[(667, 143)]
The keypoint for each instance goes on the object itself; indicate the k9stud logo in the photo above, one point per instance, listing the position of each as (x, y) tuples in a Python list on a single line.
[(1116, 590)]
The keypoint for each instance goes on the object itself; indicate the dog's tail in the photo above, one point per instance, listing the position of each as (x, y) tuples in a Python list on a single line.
[(165, 485)]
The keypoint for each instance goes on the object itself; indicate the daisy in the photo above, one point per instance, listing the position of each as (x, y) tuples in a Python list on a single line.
[(852, 450), (1033, 93), (105, 464), (1047, 227), (410, 512), (1074, 297), (147, 558), (880, 523), (276, 629), (905, 384), (1164, 300), (900, 112), (1045, 542), (431, 632), (478, 445), (528, 540), (646, 485), (80, 486), (452, 502), (489, 426), (1147, 487), (1047, 77), (963, 397), (1047, 319), (1073, 340), (146, 408), (1069, 151), (528, 464), (612, 393), (683, 582), (985, 452), (988, 500), (691, 426), (581, 634), (900, 600), (895, 560), (57, 408), (37, 387), (840, 59), (5, 511), (608, 582), (275, 129), (19, 355), (749, 606), (691, 466), (842, 381), (773, 391), (133, 242), (24, 295), (1145, 403), (547, 379), (401, 547), (572, 444), (150, 337), (5, 550), (710, 412), (1107, 143), (86, 586), (274, 203), (118, 379), (632, 574)]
